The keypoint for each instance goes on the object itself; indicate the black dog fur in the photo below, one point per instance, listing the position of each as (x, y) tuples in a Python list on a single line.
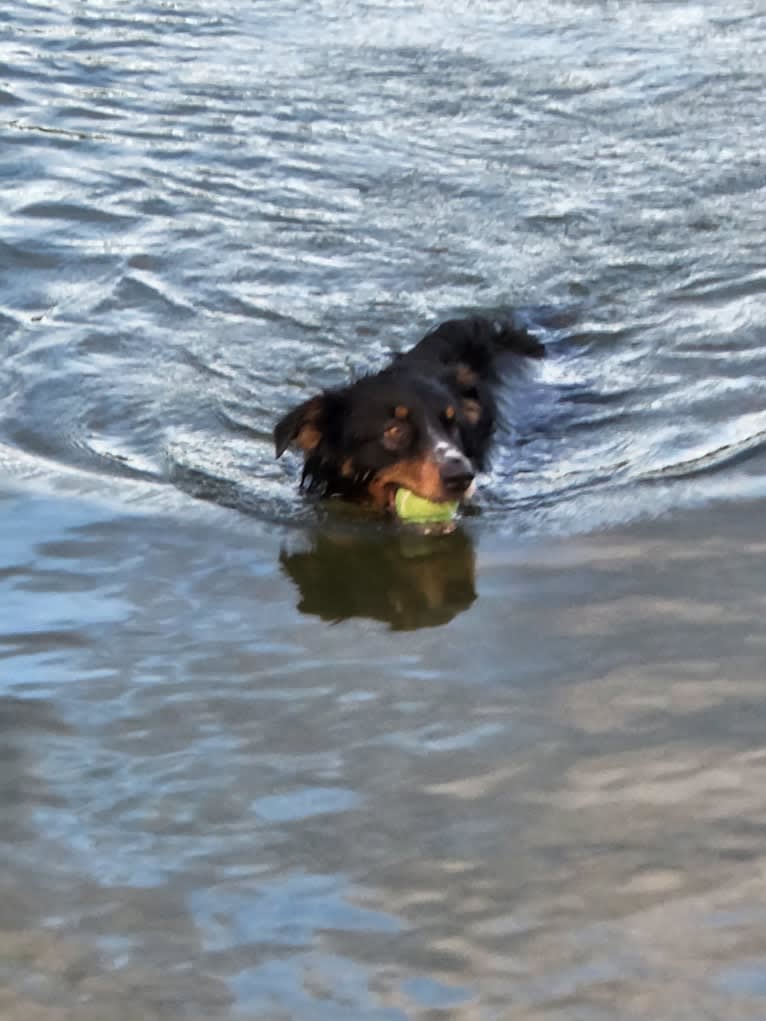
[(424, 423)]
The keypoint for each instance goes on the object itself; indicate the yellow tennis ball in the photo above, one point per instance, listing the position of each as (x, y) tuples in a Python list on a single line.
[(410, 507)]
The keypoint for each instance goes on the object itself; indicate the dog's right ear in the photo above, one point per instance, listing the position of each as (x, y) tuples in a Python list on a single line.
[(301, 426)]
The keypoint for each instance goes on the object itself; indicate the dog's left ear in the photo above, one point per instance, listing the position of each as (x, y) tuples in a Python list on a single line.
[(300, 426)]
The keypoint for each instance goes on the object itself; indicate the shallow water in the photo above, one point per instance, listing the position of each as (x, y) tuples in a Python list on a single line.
[(264, 759)]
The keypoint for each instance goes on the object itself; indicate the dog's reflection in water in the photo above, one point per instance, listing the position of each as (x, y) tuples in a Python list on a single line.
[(406, 580)]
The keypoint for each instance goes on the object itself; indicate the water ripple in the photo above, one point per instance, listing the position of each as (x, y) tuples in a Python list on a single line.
[(220, 238)]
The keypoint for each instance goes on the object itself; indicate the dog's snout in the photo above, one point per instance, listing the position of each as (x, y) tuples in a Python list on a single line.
[(457, 474)]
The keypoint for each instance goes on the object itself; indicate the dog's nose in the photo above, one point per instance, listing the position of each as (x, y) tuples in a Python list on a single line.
[(457, 475)]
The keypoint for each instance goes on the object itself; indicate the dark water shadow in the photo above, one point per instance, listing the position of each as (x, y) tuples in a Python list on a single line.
[(405, 580), (24, 724)]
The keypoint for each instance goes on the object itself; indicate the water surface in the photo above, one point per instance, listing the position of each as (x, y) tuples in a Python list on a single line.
[(268, 760)]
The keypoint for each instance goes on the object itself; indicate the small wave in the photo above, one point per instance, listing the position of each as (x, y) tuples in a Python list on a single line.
[(721, 289), (72, 212), (723, 457)]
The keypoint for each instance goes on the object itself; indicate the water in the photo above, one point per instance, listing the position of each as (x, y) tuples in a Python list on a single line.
[(269, 760)]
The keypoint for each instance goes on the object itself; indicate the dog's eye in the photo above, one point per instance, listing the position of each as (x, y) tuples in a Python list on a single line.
[(449, 417), (396, 435)]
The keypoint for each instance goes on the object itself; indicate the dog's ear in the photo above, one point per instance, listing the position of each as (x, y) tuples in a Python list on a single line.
[(517, 338), (301, 426)]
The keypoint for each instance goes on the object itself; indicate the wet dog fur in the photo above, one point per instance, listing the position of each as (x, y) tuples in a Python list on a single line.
[(424, 423)]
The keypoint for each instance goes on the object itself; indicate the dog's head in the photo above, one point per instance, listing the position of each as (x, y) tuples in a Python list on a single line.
[(396, 429)]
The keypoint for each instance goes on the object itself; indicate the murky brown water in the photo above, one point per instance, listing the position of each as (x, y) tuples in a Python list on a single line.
[(264, 760)]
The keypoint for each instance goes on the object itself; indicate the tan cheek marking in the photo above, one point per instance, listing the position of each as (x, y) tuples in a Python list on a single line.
[(401, 411), (308, 437), (421, 477), (376, 491)]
